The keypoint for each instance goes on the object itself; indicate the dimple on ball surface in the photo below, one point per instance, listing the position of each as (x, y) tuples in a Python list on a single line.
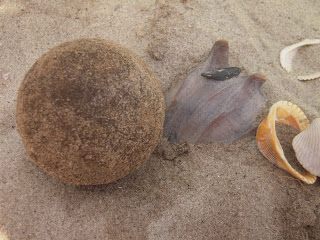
[(90, 112)]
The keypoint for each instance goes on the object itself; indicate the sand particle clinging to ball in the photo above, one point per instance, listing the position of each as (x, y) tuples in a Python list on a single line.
[(90, 112)]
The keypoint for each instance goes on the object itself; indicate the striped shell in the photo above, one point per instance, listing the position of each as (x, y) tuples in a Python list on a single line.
[(307, 147), (267, 140)]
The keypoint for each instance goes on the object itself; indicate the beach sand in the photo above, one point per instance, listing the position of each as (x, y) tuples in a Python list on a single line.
[(213, 191)]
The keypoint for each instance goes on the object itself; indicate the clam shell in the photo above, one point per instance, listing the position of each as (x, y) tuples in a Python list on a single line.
[(307, 147), (288, 53), (267, 140)]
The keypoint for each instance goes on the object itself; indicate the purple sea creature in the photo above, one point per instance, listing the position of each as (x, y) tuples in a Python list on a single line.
[(204, 110)]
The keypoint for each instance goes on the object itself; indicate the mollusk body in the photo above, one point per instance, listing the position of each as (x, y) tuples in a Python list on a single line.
[(201, 110), (268, 143)]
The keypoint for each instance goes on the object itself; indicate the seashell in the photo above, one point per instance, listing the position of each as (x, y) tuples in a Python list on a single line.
[(268, 143), (201, 110), (288, 53), (307, 147), (221, 74)]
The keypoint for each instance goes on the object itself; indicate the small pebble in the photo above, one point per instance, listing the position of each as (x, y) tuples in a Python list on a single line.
[(5, 76)]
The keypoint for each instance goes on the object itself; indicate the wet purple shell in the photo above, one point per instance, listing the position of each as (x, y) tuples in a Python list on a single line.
[(204, 110)]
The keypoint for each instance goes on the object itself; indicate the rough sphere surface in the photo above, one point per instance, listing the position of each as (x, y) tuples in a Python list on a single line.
[(90, 112)]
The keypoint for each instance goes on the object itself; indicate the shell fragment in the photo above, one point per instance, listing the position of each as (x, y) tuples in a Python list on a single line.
[(288, 53)]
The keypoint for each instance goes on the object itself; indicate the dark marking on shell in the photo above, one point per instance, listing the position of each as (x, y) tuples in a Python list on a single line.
[(222, 74)]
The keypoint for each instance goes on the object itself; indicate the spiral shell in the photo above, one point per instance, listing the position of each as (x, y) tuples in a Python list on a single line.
[(268, 143), (307, 147)]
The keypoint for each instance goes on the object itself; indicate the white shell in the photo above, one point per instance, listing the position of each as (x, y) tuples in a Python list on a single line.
[(288, 53), (307, 147)]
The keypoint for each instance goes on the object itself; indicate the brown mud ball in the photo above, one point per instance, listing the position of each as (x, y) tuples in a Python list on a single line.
[(90, 112)]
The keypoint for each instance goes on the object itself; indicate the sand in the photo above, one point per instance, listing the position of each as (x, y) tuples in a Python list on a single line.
[(212, 191)]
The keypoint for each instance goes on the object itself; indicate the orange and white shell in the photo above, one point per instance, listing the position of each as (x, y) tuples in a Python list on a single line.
[(268, 143), (307, 147)]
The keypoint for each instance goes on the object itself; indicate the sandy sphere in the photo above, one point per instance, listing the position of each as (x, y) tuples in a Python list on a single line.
[(90, 112)]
